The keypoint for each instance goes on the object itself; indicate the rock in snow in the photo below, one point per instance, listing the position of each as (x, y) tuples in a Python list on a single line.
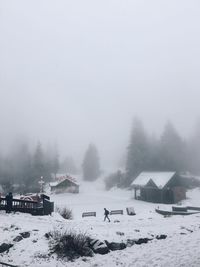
[(25, 234), (18, 238), (115, 246), (98, 246), (5, 247)]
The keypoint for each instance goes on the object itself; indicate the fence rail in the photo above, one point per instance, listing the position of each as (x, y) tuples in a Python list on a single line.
[(27, 206), (3, 264)]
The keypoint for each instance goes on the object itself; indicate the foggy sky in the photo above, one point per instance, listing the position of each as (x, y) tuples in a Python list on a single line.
[(75, 72)]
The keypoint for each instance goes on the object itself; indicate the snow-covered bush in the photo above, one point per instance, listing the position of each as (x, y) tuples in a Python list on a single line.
[(66, 213), (70, 245)]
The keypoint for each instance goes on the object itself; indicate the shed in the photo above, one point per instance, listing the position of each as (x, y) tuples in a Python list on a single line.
[(159, 187), (65, 184)]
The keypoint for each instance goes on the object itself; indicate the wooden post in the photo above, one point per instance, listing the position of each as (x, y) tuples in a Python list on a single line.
[(135, 193)]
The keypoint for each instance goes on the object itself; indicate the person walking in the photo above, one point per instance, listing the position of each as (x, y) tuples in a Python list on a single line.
[(9, 199), (106, 213)]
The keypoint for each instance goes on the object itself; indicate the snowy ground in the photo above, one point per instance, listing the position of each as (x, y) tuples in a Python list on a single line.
[(181, 248)]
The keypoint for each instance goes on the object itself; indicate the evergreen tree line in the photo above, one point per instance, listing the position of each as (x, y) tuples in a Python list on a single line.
[(91, 164), (24, 168), (169, 152)]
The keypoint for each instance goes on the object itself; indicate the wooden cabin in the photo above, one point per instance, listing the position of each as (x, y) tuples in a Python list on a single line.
[(159, 187), (64, 184)]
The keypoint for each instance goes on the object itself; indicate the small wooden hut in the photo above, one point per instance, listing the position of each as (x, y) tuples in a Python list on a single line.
[(64, 184), (159, 187)]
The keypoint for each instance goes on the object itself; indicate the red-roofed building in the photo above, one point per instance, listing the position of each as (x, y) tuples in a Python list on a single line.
[(63, 184)]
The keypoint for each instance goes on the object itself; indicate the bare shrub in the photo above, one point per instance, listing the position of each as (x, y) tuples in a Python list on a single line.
[(70, 245), (66, 213)]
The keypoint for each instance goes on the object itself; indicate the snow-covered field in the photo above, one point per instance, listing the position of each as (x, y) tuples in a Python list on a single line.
[(180, 248)]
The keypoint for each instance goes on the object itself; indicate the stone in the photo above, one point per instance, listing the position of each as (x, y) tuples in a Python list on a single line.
[(120, 233), (18, 238), (159, 237), (25, 234), (84, 259), (116, 246), (130, 242), (98, 246), (5, 247), (142, 241), (48, 235)]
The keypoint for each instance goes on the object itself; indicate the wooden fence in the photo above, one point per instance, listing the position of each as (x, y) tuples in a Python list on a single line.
[(26, 206)]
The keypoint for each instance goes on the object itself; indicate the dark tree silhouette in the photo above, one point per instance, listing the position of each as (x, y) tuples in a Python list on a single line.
[(194, 150), (172, 155), (91, 165), (138, 152)]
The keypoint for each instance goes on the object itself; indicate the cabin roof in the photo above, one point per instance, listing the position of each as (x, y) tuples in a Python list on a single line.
[(160, 179), (60, 181)]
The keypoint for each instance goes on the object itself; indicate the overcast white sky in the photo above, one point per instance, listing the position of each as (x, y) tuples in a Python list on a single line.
[(75, 72)]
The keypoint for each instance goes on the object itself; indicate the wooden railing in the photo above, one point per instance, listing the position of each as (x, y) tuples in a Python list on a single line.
[(33, 207)]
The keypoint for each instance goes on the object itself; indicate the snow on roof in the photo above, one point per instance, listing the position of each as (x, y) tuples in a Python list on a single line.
[(60, 179), (159, 178), (54, 183)]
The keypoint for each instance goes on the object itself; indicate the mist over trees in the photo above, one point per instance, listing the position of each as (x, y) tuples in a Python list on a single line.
[(24, 167), (170, 152), (137, 151), (193, 146), (68, 165), (21, 169), (91, 164)]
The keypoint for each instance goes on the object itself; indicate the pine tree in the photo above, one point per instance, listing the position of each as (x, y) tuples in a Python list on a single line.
[(194, 151), (91, 165), (172, 153), (52, 160), (22, 163), (153, 162), (55, 164), (138, 151), (16, 167), (39, 164)]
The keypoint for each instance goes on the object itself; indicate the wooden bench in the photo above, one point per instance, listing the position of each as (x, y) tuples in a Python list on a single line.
[(7, 264), (88, 214), (193, 208), (115, 212), (179, 209), (130, 211)]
